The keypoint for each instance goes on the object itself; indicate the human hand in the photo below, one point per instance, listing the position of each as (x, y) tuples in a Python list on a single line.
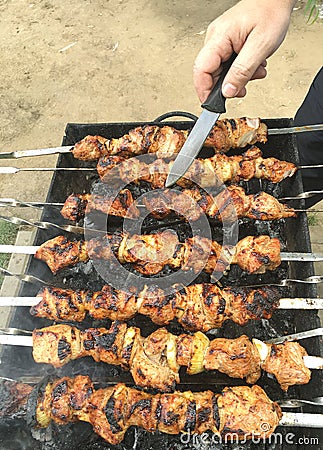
[(254, 30)]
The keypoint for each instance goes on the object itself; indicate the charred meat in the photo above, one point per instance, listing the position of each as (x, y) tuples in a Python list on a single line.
[(149, 253), (111, 411), (165, 141), (154, 361), (213, 171), (199, 307)]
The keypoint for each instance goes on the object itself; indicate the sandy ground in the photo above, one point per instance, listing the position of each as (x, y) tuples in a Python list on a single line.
[(127, 61), (117, 60)]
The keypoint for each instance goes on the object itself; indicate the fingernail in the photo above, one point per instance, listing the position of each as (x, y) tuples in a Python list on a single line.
[(229, 90)]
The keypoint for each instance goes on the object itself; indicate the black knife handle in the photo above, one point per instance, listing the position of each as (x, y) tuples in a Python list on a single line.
[(216, 100)]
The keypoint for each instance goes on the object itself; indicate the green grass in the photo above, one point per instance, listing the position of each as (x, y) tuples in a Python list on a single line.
[(312, 11), (312, 219), (8, 233)]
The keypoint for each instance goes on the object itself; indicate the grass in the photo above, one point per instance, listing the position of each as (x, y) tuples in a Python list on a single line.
[(8, 233), (312, 11), (312, 219)]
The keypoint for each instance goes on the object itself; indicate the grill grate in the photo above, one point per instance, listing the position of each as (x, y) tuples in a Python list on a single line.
[(293, 232)]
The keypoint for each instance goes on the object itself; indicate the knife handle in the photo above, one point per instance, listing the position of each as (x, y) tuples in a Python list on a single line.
[(216, 100)]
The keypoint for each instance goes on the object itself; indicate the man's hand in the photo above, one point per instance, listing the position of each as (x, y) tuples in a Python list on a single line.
[(254, 29)]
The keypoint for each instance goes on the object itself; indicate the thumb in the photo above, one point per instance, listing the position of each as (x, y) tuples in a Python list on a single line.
[(244, 66)]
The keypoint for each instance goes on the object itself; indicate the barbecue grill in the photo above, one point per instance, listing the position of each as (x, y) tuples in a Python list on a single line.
[(292, 232)]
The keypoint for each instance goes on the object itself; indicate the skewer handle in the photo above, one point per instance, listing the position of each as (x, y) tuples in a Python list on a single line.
[(313, 362), (301, 303), (38, 152), (301, 420), (11, 339), (19, 301), (20, 249)]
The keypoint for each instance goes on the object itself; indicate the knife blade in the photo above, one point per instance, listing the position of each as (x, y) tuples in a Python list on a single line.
[(212, 108)]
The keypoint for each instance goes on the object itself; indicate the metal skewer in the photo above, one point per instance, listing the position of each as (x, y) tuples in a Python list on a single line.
[(18, 203), (298, 403), (13, 170), (297, 336), (22, 277), (306, 420), (302, 195), (47, 225), (44, 225)]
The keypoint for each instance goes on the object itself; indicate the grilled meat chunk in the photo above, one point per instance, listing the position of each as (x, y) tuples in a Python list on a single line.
[(60, 252), (257, 254), (165, 140), (149, 253), (213, 171), (77, 205), (285, 361), (199, 307), (111, 411), (238, 417), (239, 357), (154, 361)]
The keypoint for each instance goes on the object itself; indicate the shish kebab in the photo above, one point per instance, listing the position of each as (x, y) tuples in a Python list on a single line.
[(154, 361), (166, 140), (231, 203), (212, 171), (150, 253), (236, 412), (198, 307)]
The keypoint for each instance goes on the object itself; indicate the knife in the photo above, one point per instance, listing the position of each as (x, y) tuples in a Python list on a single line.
[(212, 108)]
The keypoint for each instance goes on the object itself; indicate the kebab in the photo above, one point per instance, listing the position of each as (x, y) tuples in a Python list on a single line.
[(149, 254), (154, 361), (213, 171), (199, 307), (236, 412), (166, 140), (230, 204)]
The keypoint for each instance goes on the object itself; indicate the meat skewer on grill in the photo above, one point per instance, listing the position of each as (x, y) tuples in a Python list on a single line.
[(239, 411), (206, 172), (230, 204), (154, 361), (165, 140), (149, 254), (199, 307)]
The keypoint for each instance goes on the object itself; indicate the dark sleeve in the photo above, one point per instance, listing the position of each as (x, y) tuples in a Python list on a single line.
[(310, 145)]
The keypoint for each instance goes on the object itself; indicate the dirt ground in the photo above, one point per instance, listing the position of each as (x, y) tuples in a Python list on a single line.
[(117, 60)]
